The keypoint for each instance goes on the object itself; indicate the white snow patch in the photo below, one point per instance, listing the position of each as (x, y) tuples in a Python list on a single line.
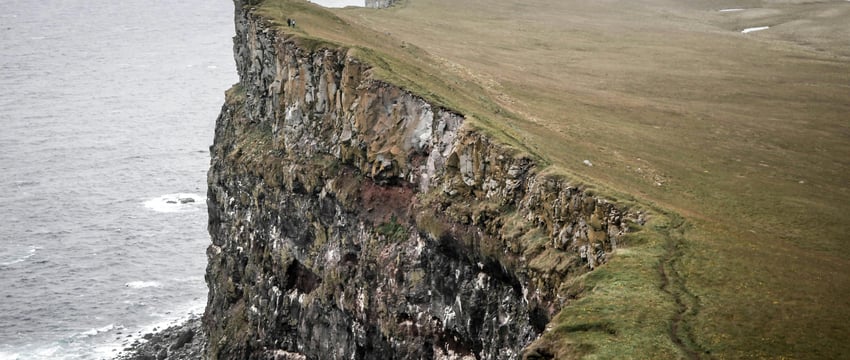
[(752, 29)]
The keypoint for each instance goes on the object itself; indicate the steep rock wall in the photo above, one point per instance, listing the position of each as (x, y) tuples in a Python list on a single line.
[(352, 219)]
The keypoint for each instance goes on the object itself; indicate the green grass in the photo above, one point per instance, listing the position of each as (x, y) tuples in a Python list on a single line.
[(622, 313), (746, 137), (392, 229)]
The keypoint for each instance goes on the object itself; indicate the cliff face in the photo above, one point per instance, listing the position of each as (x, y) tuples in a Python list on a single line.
[(352, 219)]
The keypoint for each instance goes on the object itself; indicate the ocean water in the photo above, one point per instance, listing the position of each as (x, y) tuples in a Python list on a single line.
[(107, 110)]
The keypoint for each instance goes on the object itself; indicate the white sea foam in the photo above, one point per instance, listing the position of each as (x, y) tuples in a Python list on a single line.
[(30, 253), (99, 330), (142, 284), (752, 29), (9, 355), (49, 352), (175, 203), (111, 349), (731, 10)]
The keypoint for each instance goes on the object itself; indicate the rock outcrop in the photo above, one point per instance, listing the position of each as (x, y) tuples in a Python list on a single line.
[(379, 4), (186, 341), (351, 219)]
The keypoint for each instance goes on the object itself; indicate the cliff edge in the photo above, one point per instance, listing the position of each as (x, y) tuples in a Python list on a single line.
[(351, 218)]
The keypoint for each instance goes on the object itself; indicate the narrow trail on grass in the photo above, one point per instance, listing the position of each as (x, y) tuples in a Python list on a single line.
[(687, 304)]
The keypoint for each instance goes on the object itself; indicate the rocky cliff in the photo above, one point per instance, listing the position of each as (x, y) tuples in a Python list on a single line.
[(353, 219)]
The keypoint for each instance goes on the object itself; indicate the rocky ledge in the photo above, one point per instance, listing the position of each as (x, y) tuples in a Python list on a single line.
[(186, 341)]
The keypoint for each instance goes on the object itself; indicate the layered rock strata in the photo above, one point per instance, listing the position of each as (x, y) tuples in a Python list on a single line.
[(351, 219)]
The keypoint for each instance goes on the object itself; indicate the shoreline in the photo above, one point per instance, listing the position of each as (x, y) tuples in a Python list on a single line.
[(184, 341)]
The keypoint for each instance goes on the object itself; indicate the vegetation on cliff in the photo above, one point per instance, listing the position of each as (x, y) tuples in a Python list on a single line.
[(736, 143)]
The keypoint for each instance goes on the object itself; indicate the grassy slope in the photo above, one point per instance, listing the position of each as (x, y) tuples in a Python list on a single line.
[(747, 137)]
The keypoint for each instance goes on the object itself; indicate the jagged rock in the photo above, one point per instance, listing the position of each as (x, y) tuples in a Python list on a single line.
[(182, 342), (182, 339)]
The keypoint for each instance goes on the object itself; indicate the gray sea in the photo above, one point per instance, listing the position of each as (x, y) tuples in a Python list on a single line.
[(107, 111)]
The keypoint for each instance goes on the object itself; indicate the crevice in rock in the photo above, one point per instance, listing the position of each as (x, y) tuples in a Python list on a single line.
[(300, 278)]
